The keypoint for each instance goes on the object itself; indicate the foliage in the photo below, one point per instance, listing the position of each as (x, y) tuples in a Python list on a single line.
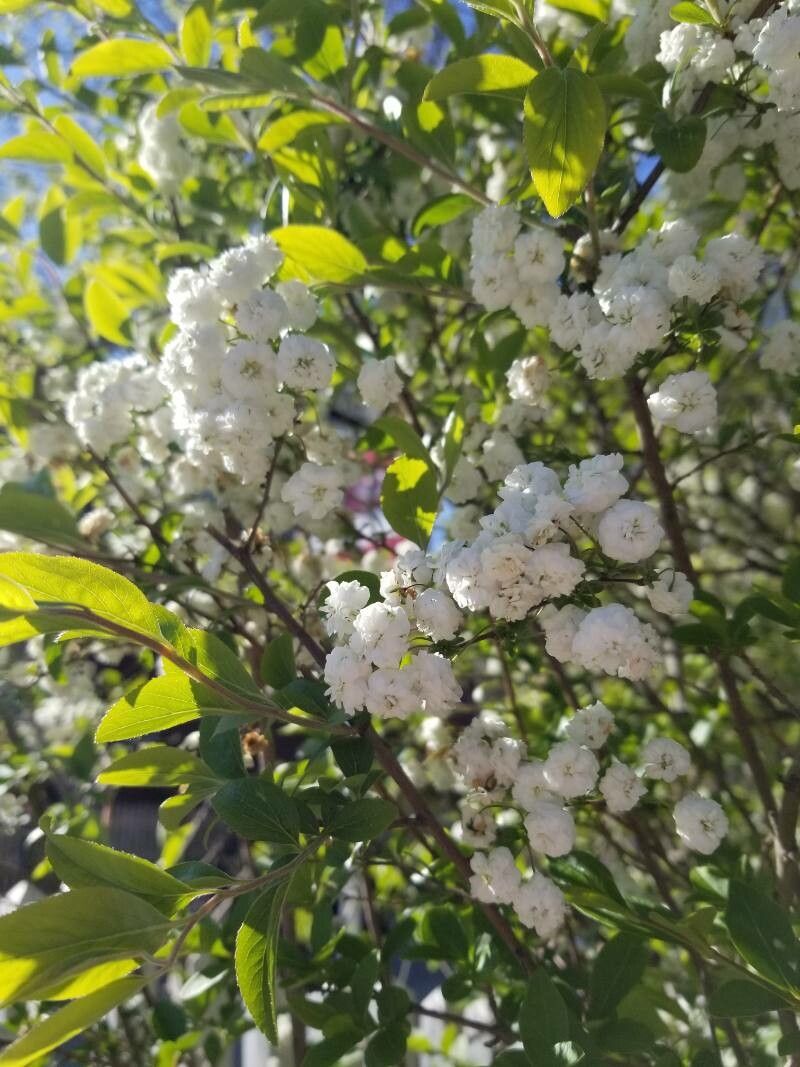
[(202, 564)]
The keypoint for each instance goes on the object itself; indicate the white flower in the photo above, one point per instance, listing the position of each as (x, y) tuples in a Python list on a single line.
[(391, 693), (739, 262), (238, 271), (595, 484), (550, 829), (347, 675), (540, 905), (437, 688), (193, 298), (611, 639), (300, 304), (436, 615), (494, 231), (687, 402), (629, 531), (671, 594), (381, 634), (538, 256), (781, 353), (591, 726), (95, 523), (700, 822), (313, 490), (344, 601), (621, 787), (496, 879), (570, 769), (379, 383), (688, 277), (478, 826), (560, 626), (248, 371), (162, 155), (262, 315), (530, 785), (304, 363), (528, 379), (665, 759)]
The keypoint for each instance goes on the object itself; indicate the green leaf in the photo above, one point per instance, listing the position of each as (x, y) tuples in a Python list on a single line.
[(790, 585), (87, 863), (215, 659), (503, 9), (158, 766), (404, 436), (221, 745), (318, 254), (352, 755), (441, 210), (258, 810), (287, 128), (68, 1021), (53, 234), (106, 313), (690, 12), (256, 957), (453, 437), (120, 57), (617, 969), (739, 997), (410, 498), (680, 144), (543, 1020), (386, 1047), (42, 518), (36, 146), (264, 70), (626, 86), (65, 580), (195, 35), (564, 129), (328, 1053), (443, 926), (762, 933), (363, 819), (159, 704), (480, 74), (82, 143), (277, 662), (363, 983), (593, 9), (43, 943)]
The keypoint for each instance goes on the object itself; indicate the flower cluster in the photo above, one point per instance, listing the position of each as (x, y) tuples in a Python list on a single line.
[(636, 295), (522, 559), (161, 153), (380, 662), (543, 794), (119, 399)]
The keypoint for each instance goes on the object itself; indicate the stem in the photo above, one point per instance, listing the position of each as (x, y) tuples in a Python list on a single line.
[(658, 476)]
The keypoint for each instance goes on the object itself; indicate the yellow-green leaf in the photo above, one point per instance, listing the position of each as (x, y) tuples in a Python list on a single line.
[(317, 254), (256, 957), (410, 498), (63, 935), (107, 314), (488, 73), (564, 130), (82, 143), (122, 56), (68, 1021), (37, 146), (195, 35)]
